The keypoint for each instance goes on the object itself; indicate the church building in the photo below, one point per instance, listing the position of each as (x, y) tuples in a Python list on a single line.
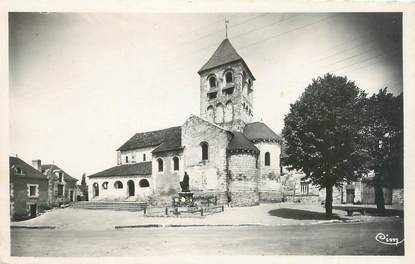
[(223, 151)]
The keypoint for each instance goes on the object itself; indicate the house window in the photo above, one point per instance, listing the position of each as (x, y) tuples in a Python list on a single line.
[(267, 159), (205, 150), (229, 77), (304, 187), (144, 157), (118, 185), (176, 163), (32, 190), (126, 159), (60, 177), (212, 82), (60, 190), (105, 185), (19, 170), (160, 165)]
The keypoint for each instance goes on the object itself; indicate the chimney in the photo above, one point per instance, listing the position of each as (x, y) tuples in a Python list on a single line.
[(37, 164)]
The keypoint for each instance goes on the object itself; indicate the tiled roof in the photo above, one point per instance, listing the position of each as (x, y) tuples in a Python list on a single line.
[(50, 168), (27, 170), (142, 168), (224, 54), (240, 143), (165, 139), (258, 131)]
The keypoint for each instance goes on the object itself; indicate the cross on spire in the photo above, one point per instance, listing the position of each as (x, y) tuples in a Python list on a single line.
[(226, 28)]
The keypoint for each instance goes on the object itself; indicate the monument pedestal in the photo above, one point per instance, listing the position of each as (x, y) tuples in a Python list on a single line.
[(184, 199)]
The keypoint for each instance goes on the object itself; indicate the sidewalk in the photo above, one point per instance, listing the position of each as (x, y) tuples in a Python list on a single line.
[(264, 214)]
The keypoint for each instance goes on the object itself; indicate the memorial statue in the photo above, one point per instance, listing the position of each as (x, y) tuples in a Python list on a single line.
[(185, 183)]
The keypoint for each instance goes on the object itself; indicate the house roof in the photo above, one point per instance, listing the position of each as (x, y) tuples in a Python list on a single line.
[(224, 54), (165, 139), (258, 131), (27, 170), (142, 168), (240, 143), (50, 168)]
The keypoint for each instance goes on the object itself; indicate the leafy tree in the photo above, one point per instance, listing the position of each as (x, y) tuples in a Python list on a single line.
[(383, 132), (323, 135), (83, 181)]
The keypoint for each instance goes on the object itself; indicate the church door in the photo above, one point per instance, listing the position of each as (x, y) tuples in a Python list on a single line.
[(131, 190)]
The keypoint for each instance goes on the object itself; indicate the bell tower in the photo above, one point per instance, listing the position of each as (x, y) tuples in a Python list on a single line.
[(226, 89)]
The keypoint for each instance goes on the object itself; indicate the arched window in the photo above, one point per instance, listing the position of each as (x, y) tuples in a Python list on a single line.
[(118, 185), (176, 163), (228, 111), (229, 77), (144, 157), (219, 114), (143, 183), (210, 114), (126, 159), (205, 150), (267, 159), (105, 185), (212, 82), (160, 165)]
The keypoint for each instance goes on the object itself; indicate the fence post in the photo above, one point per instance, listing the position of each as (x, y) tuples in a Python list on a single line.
[(167, 211), (145, 209), (201, 212), (223, 208)]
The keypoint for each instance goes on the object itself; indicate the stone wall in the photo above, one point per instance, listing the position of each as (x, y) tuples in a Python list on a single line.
[(238, 97), (135, 155), (167, 182), (113, 194), (245, 198), (271, 196), (269, 176), (205, 175), (20, 197), (397, 196), (243, 179)]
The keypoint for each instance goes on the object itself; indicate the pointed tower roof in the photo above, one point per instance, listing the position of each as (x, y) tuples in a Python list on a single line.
[(224, 54)]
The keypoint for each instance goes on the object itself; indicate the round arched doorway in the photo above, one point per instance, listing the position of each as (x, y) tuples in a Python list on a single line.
[(96, 189), (131, 188)]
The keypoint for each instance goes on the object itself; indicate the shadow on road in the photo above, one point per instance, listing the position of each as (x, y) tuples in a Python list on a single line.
[(300, 214)]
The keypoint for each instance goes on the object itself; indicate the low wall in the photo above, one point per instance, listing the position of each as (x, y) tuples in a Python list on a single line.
[(303, 198), (397, 196), (270, 196), (245, 198)]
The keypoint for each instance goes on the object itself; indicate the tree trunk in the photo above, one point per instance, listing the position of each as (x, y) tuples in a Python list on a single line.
[(329, 201), (379, 199)]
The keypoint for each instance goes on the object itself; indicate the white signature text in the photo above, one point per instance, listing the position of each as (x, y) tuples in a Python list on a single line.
[(386, 240)]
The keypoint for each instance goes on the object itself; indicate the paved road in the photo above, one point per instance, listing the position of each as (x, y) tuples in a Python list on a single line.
[(326, 239)]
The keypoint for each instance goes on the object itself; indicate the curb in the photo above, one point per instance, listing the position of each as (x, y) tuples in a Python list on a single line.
[(185, 225), (139, 226), (31, 227)]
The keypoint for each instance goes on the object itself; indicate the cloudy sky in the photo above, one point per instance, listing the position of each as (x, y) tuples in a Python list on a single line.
[(83, 84)]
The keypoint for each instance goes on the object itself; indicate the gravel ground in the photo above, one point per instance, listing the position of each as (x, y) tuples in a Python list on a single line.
[(264, 214)]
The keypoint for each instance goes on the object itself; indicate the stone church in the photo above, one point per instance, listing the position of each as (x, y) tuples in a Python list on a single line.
[(223, 151)]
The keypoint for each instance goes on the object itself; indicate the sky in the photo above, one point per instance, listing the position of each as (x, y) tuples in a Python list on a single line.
[(81, 84)]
